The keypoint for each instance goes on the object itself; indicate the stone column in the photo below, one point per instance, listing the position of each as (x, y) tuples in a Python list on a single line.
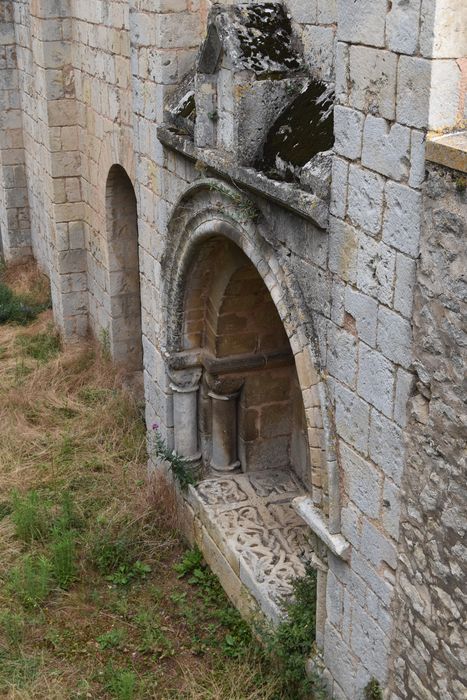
[(224, 394), (185, 384)]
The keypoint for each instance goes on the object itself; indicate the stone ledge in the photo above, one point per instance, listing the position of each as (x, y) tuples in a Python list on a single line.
[(449, 150), (337, 544), (292, 197)]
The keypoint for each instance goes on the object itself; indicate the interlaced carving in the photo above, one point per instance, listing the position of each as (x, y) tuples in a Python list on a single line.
[(252, 518)]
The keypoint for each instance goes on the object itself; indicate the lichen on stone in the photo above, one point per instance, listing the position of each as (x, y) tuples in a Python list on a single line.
[(266, 39), (303, 129)]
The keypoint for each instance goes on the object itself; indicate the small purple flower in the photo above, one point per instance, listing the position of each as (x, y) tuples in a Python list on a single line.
[(155, 426)]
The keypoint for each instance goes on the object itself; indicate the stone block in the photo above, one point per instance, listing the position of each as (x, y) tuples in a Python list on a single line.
[(327, 12), (394, 337), (338, 658), (362, 570), (401, 228), (340, 173), (443, 32), (404, 384), (377, 547), (391, 508), (352, 418), (342, 355), (350, 524), (376, 379), (343, 249), (62, 113), (413, 91), (334, 600), (361, 21), (365, 199), (373, 81), (76, 235), (348, 129), (386, 446), (364, 310), (402, 26), (362, 481), (417, 158), (72, 261), (404, 287), (445, 94), (369, 644), (319, 49), (376, 267), (303, 11), (386, 148)]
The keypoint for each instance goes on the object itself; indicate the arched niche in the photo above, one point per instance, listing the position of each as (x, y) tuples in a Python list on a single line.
[(251, 415), (123, 269)]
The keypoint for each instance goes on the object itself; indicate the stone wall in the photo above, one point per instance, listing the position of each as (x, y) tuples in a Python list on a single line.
[(83, 87), (14, 207), (429, 653)]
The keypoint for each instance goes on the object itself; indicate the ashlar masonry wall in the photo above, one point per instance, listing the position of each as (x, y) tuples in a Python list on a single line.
[(87, 91)]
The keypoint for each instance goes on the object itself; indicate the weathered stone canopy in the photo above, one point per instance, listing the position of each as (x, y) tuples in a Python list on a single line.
[(251, 112)]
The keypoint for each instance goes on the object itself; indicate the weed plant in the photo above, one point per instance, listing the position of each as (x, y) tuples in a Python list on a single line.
[(29, 515), (120, 683), (373, 690), (63, 557), (291, 643), (31, 580), (182, 471), (12, 626)]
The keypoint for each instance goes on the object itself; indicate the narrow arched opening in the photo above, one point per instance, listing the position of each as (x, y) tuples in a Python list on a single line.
[(123, 269)]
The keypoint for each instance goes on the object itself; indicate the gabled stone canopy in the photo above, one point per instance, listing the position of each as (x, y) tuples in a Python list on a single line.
[(255, 37), (251, 102)]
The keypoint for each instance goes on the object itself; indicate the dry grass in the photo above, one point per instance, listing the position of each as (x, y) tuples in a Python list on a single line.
[(26, 280), (69, 427)]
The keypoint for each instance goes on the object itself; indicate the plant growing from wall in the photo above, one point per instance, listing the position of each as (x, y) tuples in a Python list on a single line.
[(247, 210), (292, 642), (182, 471), (373, 690), (104, 337)]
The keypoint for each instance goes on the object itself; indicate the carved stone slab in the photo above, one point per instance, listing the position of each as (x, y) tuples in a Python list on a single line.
[(251, 519)]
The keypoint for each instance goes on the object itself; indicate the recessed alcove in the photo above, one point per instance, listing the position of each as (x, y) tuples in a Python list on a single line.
[(239, 413)]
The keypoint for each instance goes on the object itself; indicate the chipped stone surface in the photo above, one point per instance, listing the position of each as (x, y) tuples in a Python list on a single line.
[(433, 507)]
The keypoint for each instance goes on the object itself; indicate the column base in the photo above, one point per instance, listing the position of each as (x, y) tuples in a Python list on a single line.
[(233, 468)]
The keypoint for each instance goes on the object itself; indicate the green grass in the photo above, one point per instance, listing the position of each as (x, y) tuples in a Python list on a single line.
[(41, 347), (99, 595), (121, 683), (18, 309)]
